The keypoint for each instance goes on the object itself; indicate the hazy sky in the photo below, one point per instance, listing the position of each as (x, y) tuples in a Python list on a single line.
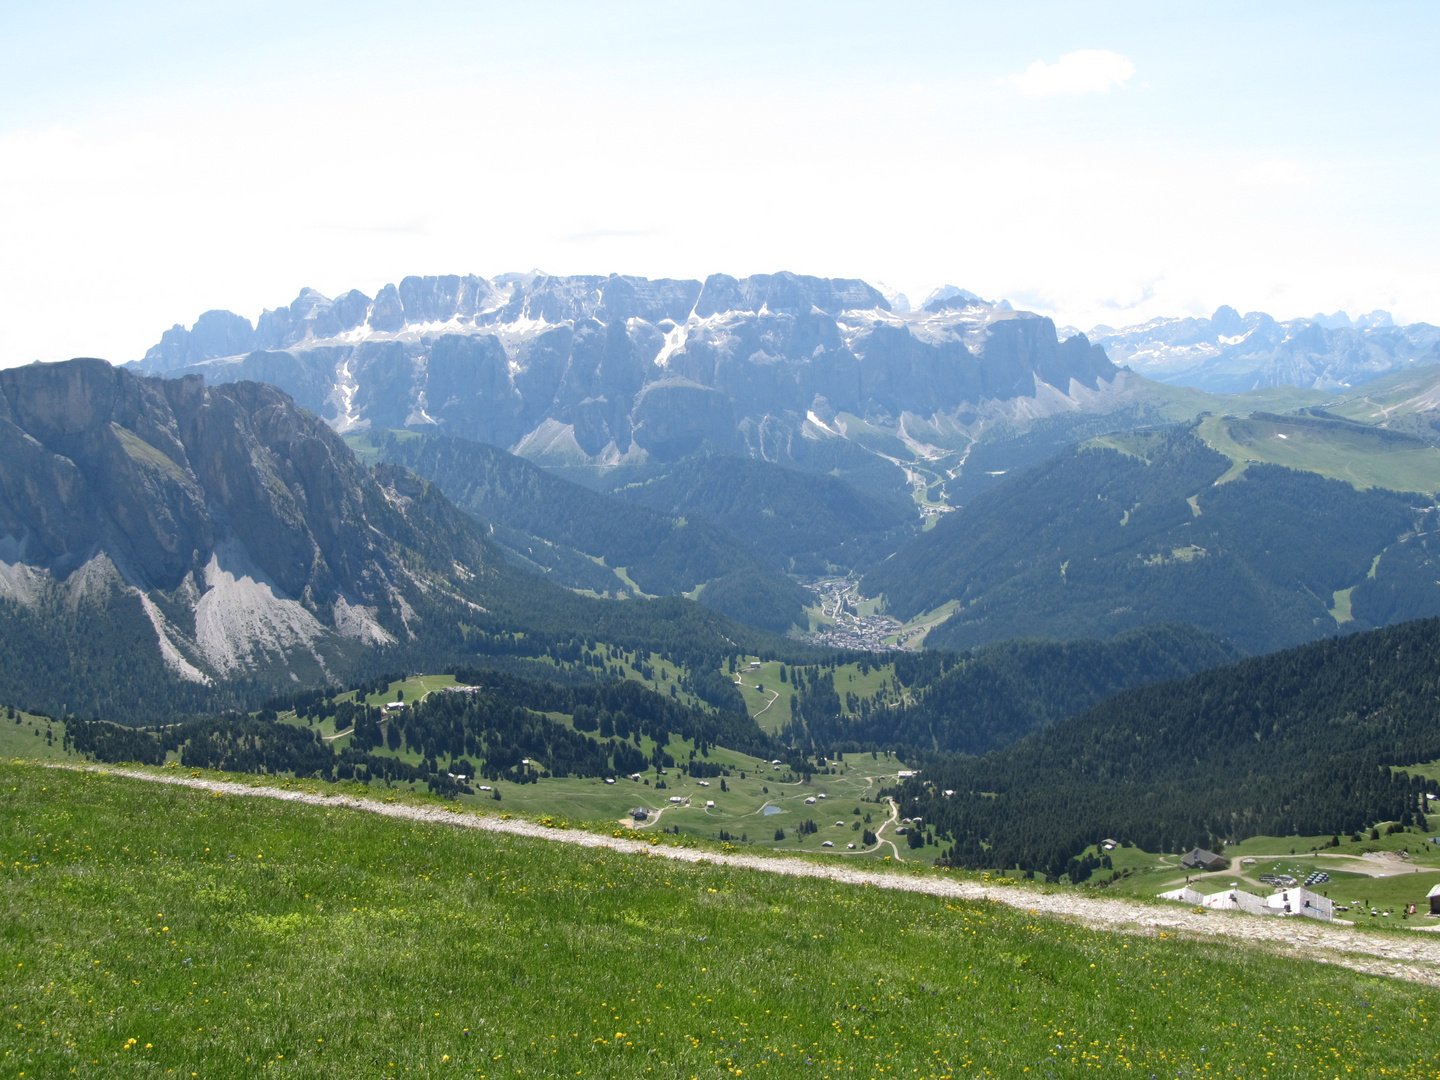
[(1097, 162)]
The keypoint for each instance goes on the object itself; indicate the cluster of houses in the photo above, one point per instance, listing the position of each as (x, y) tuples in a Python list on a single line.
[(1288, 899)]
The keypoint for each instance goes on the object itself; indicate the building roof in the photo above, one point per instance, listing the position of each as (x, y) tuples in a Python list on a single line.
[(1200, 857)]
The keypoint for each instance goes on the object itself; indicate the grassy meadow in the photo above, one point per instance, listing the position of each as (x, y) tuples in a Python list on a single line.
[(759, 799), (767, 698), (25, 735), (1340, 451), (153, 930)]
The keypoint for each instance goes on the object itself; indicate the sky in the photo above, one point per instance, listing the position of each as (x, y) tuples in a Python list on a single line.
[(1099, 163)]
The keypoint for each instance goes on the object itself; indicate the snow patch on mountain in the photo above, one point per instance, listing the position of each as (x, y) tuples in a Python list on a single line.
[(1230, 352)]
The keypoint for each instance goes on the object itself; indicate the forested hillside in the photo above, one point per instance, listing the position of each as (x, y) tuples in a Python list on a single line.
[(559, 529), (809, 523), (495, 725), (991, 696), (1302, 741), (1104, 538)]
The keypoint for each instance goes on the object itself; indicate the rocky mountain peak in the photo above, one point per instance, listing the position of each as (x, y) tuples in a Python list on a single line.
[(597, 369), (241, 521)]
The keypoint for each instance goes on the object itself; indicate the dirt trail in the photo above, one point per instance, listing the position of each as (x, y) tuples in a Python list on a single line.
[(1413, 957), (775, 695)]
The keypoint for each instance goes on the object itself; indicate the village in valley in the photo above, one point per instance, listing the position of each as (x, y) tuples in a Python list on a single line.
[(845, 621)]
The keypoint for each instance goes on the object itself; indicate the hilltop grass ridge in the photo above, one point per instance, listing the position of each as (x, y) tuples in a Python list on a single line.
[(201, 933)]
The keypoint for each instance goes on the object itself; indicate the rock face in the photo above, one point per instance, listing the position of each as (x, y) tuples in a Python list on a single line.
[(597, 371), (1231, 353), (243, 525)]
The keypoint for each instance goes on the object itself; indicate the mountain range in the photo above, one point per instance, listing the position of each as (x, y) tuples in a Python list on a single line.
[(1230, 353), (599, 373), (535, 438), (601, 377)]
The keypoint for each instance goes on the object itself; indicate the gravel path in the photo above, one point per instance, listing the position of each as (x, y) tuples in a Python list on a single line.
[(1413, 957)]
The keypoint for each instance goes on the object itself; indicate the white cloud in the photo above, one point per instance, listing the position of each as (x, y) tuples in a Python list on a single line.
[(1088, 71)]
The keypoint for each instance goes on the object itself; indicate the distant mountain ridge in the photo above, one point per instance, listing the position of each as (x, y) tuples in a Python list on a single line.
[(1232, 353), (601, 376)]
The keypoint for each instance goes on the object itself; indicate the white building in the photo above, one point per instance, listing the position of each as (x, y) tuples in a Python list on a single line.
[(1300, 901), (1238, 900), (1187, 895)]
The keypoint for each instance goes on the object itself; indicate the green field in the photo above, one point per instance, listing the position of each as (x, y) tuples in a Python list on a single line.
[(154, 930), (1392, 398), (1179, 403), (30, 737), (767, 698), (1340, 451)]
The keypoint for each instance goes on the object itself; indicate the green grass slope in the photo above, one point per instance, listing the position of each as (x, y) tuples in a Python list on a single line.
[(156, 930), (1005, 448), (1405, 401), (1355, 453)]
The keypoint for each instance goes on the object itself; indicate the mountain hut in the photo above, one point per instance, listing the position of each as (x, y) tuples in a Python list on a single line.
[(1200, 859)]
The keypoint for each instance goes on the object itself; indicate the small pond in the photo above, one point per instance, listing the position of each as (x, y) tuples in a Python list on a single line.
[(772, 810)]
